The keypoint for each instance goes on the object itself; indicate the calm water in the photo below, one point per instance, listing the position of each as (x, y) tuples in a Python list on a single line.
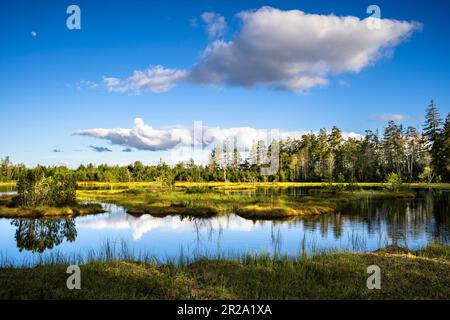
[(363, 226)]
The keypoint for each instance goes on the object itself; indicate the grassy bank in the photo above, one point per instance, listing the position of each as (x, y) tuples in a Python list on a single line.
[(422, 274), (209, 202), (8, 211), (38, 212), (209, 199)]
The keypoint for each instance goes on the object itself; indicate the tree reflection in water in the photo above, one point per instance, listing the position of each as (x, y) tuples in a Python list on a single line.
[(38, 235)]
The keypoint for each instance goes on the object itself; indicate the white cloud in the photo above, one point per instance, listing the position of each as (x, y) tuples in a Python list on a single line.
[(154, 79), (144, 137), (290, 50), (391, 117), (86, 84), (216, 25), (33, 33), (296, 51)]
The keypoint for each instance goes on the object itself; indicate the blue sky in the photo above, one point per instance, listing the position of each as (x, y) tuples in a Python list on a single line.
[(45, 78)]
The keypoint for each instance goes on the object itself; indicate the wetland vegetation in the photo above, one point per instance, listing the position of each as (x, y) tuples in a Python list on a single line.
[(42, 196), (419, 274)]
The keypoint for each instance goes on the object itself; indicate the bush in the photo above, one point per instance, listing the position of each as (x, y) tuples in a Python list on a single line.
[(394, 181), (426, 175), (166, 179), (35, 189)]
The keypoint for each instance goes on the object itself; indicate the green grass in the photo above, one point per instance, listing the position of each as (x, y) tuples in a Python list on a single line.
[(421, 274), (158, 202), (242, 185), (209, 199), (44, 211), (9, 211)]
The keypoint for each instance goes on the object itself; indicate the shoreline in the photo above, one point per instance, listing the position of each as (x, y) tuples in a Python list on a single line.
[(197, 202)]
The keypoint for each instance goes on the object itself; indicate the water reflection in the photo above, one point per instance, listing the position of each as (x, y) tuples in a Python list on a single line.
[(138, 226), (363, 225), (38, 235)]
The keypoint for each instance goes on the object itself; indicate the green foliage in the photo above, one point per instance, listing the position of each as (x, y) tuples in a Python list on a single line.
[(325, 156), (394, 181), (340, 178), (166, 179), (35, 189), (427, 175), (198, 189), (9, 171)]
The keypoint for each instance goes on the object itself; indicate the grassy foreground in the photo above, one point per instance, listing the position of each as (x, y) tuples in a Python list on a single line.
[(423, 274)]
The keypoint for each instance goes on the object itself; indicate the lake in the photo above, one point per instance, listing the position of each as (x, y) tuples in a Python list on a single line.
[(364, 225)]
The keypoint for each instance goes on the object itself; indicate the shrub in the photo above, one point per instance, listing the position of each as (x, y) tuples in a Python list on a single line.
[(35, 189), (394, 181), (427, 175), (166, 179)]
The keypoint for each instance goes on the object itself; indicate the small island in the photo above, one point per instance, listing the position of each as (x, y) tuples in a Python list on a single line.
[(42, 196), (207, 200)]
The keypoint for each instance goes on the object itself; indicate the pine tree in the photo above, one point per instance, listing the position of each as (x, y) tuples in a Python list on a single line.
[(393, 146), (445, 154), (433, 138), (432, 125)]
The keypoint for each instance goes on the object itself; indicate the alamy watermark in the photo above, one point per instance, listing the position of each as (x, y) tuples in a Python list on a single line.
[(374, 21), (73, 22), (374, 280), (74, 280)]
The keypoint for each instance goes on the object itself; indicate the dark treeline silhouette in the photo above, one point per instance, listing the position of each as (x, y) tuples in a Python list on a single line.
[(412, 154)]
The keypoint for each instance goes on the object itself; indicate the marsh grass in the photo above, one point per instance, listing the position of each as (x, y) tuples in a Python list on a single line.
[(115, 273), (209, 202), (238, 185), (75, 210)]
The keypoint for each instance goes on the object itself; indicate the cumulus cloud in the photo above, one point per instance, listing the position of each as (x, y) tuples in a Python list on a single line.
[(296, 51), (155, 79), (100, 149), (127, 150), (216, 25), (290, 50), (145, 137), (391, 117)]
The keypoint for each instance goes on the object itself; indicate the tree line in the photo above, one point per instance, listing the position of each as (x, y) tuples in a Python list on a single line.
[(412, 154)]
